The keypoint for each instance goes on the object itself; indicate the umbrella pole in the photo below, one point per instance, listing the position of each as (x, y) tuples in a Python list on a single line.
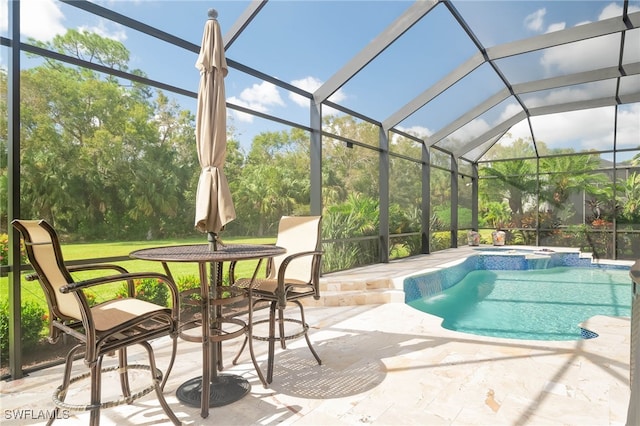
[(216, 355), (212, 238)]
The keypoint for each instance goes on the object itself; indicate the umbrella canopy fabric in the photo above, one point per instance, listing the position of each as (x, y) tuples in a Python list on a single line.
[(214, 205)]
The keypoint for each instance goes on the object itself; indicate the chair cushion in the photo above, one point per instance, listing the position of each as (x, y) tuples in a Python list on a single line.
[(116, 312), (268, 285)]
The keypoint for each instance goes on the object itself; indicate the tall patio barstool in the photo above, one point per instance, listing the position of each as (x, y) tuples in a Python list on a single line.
[(107, 327), (290, 277)]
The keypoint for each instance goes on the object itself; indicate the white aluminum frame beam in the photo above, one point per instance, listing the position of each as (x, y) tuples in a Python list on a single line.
[(545, 110), (570, 35)]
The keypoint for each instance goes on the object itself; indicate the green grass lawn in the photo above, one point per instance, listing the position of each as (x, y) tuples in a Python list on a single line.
[(31, 291)]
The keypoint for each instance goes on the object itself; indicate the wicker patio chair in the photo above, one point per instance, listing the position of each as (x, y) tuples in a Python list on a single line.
[(289, 278), (108, 327)]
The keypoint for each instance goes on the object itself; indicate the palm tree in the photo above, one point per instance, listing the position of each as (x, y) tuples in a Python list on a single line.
[(567, 174), (630, 199)]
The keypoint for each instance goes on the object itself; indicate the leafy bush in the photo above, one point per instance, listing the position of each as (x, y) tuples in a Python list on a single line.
[(33, 321), (148, 289), (190, 302), (4, 250), (91, 297), (187, 282), (440, 240)]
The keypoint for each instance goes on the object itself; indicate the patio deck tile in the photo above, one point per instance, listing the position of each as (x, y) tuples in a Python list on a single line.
[(386, 365)]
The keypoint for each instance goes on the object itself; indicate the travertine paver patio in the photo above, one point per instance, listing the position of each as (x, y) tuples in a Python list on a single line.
[(386, 364)]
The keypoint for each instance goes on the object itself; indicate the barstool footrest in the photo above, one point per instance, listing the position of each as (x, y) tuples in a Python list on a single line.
[(107, 404), (305, 328)]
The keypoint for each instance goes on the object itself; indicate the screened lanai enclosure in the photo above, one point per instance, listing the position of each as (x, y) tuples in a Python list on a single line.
[(404, 124)]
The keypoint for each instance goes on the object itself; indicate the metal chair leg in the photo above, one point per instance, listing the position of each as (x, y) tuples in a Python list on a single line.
[(283, 343), (96, 390), (174, 349), (163, 402), (272, 340), (235, 360), (249, 337), (66, 378), (124, 374), (249, 327), (306, 334)]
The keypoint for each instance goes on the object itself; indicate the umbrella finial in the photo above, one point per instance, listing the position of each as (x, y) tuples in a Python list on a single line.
[(212, 13)]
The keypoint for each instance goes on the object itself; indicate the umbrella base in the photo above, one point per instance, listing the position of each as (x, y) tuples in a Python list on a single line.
[(223, 389)]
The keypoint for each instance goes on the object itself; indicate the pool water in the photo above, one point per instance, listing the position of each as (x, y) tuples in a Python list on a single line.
[(544, 304)]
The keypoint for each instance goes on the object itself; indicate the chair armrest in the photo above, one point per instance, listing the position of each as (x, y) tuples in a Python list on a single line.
[(96, 267), (281, 292), (80, 268), (81, 285), (103, 267)]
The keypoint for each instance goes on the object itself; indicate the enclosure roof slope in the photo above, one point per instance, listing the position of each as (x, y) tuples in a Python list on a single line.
[(495, 81)]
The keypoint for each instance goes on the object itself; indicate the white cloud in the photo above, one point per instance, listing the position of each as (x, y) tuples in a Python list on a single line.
[(594, 90), (239, 115), (264, 94), (535, 21), (259, 97), (591, 53), (470, 131), (559, 26), (118, 33), (584, 55), (519, 131), (311, 84), (583, 129), (628, 126), (511, 109), (417, 131), (39, 19), (42, 20), (610, 11)]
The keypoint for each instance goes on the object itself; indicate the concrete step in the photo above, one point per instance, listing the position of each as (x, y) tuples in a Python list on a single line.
[(354, 285), (357, 297), (341, 291)]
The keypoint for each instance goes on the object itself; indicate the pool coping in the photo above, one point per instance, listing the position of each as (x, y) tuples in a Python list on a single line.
[(511, 251)]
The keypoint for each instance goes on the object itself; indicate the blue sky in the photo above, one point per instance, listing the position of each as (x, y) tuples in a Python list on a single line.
[(305, 42)]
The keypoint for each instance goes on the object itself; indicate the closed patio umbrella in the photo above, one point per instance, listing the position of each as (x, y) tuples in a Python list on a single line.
[(214, 209), (214, 205)]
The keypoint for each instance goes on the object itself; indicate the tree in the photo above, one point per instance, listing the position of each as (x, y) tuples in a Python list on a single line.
[(274, 181), (100, 157), (353, 169), (629, 200), (512, 180), (566, 174)]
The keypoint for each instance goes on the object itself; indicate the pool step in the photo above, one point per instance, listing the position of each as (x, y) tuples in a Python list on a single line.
[(336, 291), (379, 283)]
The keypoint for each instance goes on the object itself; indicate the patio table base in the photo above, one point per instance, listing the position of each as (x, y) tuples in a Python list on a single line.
[(224, 389)]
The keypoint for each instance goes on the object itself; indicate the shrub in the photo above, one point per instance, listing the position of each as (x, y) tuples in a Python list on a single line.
[(148, 289), (440, 240), (33, 320), (190, 302), (187, 282), (4, 250), (91, 297)]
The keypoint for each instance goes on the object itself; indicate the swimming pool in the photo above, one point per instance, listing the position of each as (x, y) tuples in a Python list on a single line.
[(522, 296)]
